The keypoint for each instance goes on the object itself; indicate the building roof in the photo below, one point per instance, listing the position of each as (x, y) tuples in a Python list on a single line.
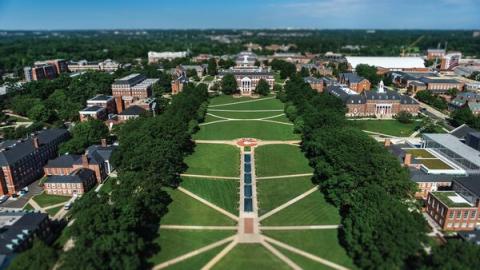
[(133, 110), (453, 144), (100, 98), (312, 80), (131, 79), (64, 161), (470, 236), (387, 62), (12, 151), (104, 152), (462, 131), (419, 176), (451, 199), (77, 176), (14, 224), (428, 80), (352, 77), (92, 109), (472, 183)]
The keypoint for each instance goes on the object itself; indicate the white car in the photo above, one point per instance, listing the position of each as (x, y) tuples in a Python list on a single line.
[(3, 198)]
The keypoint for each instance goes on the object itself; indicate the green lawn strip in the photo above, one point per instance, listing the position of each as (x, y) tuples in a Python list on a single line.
[(434, 164), (198, 261), (246, 129), (275, 192), (53, 211), (28, 207), (322, 243), (245, 115), (419, 153), (174, 243), (389, 127), (303, 262), (256, 104), (280, 159), (311, 210), (185, 210), (226, 99), (107, 186), (214, 159), (250, 256), (210, 118), (45, 200), (281, 118), (221, 192)]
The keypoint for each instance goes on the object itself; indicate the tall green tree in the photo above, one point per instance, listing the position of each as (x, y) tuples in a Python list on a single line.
[(38, 257), (263, 88), (84, 134), (212, 67), (229, 84)]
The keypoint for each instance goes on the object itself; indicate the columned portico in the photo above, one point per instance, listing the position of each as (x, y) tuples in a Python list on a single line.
[(383, 109), (246, 86)]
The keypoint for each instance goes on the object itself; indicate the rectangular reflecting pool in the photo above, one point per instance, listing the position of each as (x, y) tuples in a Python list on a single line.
[(247, 158), (248, 205), (247, 190), (247, 178), (247, 167)]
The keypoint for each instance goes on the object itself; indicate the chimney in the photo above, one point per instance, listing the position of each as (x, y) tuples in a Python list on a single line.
[(104, 142), (387, 143), (36, 143), (407, 160), (85, 160)]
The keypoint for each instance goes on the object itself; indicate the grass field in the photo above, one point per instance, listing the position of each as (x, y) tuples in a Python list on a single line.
[(225, 99), (223, 193), (245, 115), (272, 193), (211, 118), (45, 200), (304, 263), (184, 210), (255, 104), (174, 243), (214, 159), (250, 256), (311, 210), (246, 129), (53, 211), (389, 127), (198, 261), (280, 159), (281, 118), (422, 153), (323, 243), (28, 207), (435, 164)]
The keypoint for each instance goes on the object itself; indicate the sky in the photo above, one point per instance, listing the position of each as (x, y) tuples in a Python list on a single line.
[(223, 14)]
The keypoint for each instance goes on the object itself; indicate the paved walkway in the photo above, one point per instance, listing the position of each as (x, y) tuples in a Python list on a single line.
[(193, 227), (294, 228), (209, 176), (285, 176), (209, 204), (287, 204)]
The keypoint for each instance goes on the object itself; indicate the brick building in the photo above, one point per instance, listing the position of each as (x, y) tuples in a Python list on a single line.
[(76, 183), (433, 54), (49, 69), (381, 103), (440, 85), (22, 161), (315, 83), (130, 89), (466, 99), (354, 82), (98, 107), (83, 65), (179, 79), (96, 159), (456, 210)]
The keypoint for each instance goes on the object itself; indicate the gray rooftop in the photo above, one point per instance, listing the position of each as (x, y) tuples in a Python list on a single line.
[(462, 131), (78, 176), (455, 145)]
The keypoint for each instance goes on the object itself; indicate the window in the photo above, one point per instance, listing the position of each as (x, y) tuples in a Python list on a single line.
[(459, 214), (473, 213), (465, 214), (449, 225), (451, 214)]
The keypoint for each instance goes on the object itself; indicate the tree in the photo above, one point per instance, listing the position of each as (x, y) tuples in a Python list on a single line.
[(212, 67), (85, 134), (404, 117), (263, 88), (286, 69), (368, 72), (229, 84), (39, 257), (462, 116), (452, 92), (455, 254), (304, 72), (41, 113)]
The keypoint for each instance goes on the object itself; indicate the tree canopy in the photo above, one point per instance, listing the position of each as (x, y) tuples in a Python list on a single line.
[(229, 84), (263, 88)]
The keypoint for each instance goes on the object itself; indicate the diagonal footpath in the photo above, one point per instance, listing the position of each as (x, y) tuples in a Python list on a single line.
[(301, 227), (285, 176), (305, 254), (195, 227), (282, 257), (193, 253), (240, 102), (209, 176), (287, 204), (209, 204), (220, 255)]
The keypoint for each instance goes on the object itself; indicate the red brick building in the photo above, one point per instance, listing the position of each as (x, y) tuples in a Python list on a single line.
[(98, 107), (76, 183), (355, 82), (22, 161), (130, 89), (315, 83)]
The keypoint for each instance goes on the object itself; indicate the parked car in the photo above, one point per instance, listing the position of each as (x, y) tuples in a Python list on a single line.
[(68, 205), (3, 198)]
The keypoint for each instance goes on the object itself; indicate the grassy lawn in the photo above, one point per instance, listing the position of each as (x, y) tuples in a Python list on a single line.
[(246, 129), (277, 78), (223, 193), (108, 184), (185, 210), (280, 159), (421, 153), (281, 118), (245, 115), (174, 243), (226, 99), (303, 262), (255, 104), (434, 164), (311, 210), (250, 256), (28, 207), (214, 159), (274, 192), (389, 127), (323, 243), (198, 261), (53, 211), (45, 200), (210, 118)]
